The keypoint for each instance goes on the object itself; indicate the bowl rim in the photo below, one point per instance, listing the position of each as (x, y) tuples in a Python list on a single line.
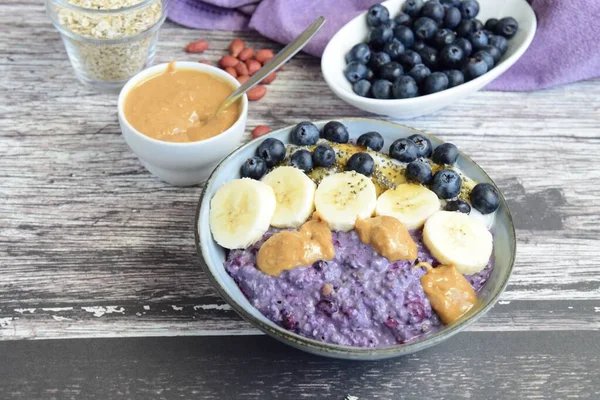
[(193, 65), (334, 350), (494, 73)]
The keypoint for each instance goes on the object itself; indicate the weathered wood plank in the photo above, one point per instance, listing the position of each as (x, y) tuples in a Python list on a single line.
[(557, 365), (82, 224)]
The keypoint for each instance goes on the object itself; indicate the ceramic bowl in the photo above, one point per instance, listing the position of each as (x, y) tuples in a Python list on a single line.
[(356, 31), (182, 164), (212, 256)]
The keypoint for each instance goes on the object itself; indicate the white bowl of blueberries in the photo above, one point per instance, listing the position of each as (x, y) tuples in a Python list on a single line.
[(407, 58)]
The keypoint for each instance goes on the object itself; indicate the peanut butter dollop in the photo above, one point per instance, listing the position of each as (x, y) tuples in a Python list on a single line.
[(388, 236), (290, 249), (448, 291)]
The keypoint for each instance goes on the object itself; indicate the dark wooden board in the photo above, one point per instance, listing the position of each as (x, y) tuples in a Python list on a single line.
[(491, 365)]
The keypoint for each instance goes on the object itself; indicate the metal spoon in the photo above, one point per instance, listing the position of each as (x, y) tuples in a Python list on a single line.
[(280, 58)]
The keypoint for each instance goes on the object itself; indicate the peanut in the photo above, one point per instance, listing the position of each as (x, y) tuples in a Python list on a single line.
[(228, 61), (236, 47), (231, 71), (242, 79), (246, 54), (260, 130), (270, 78), (198, 46), (256, 93), (264, 55), (253, 66), (242, 69)]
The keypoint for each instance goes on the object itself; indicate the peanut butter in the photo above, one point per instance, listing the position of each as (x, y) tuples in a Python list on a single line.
[(388, 236), (290, 249), (448, 291), (173, 105)]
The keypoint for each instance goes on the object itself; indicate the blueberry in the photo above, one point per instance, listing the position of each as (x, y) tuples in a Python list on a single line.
[(458, 205), (362, 163), (418, 171), (305, 134), (487, 57), (452, 18), (380, 36), (419, 72), (446, 184), (443, 37), (327, 307), (254, 168), (394, 49), (494, 52), (362, 88), (475, 68), (490, 24), (450, 3), (360, 53), (418, 45), (370, 74), (498, 42), (484, 198), (378, 60), (436, 82), (409, 59), (404, 150), (390, 23), (464, 28), (424, 28), (403, 19), (391, 71), (507, 27), (371, 140), (446, 154), (323, 156), (451, 56), (465, 45), (272, 151), (478, 39), (433, 10), (335, 131), (405, 35), (405, 87), (320, 265), (355, 71), (423, 145), (377, 14), (302, 159), (469, 9), (477, 25), (288, 320), (382, 89), (455, 78), (412, 7), (429, 55)]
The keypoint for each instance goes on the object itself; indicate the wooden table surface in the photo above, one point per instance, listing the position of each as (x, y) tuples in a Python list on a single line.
[(95, 250)]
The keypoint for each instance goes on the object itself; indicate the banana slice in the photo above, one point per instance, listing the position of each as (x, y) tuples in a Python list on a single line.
[(241, 212), (295, 193), (409, 203), (343, 197), (457, 239)]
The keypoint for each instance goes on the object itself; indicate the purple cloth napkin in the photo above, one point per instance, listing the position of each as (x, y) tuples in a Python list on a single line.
[(565, 49)]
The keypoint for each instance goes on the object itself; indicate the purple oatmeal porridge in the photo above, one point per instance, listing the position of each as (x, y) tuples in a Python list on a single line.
[(357, 299)]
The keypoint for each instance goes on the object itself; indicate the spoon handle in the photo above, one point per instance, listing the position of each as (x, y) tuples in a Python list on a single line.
[(280, 58)]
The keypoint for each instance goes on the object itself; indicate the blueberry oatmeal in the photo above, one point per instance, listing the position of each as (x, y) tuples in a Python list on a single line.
[(352, 246)]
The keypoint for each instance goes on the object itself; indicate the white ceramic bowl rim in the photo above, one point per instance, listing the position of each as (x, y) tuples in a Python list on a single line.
[(334, 349), (156, 69), (429, 97)]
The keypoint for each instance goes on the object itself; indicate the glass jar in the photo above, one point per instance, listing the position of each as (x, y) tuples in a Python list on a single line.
[(108, 41)]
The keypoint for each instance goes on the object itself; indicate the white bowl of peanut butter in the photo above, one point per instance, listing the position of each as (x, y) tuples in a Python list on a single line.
[(159, 113)]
